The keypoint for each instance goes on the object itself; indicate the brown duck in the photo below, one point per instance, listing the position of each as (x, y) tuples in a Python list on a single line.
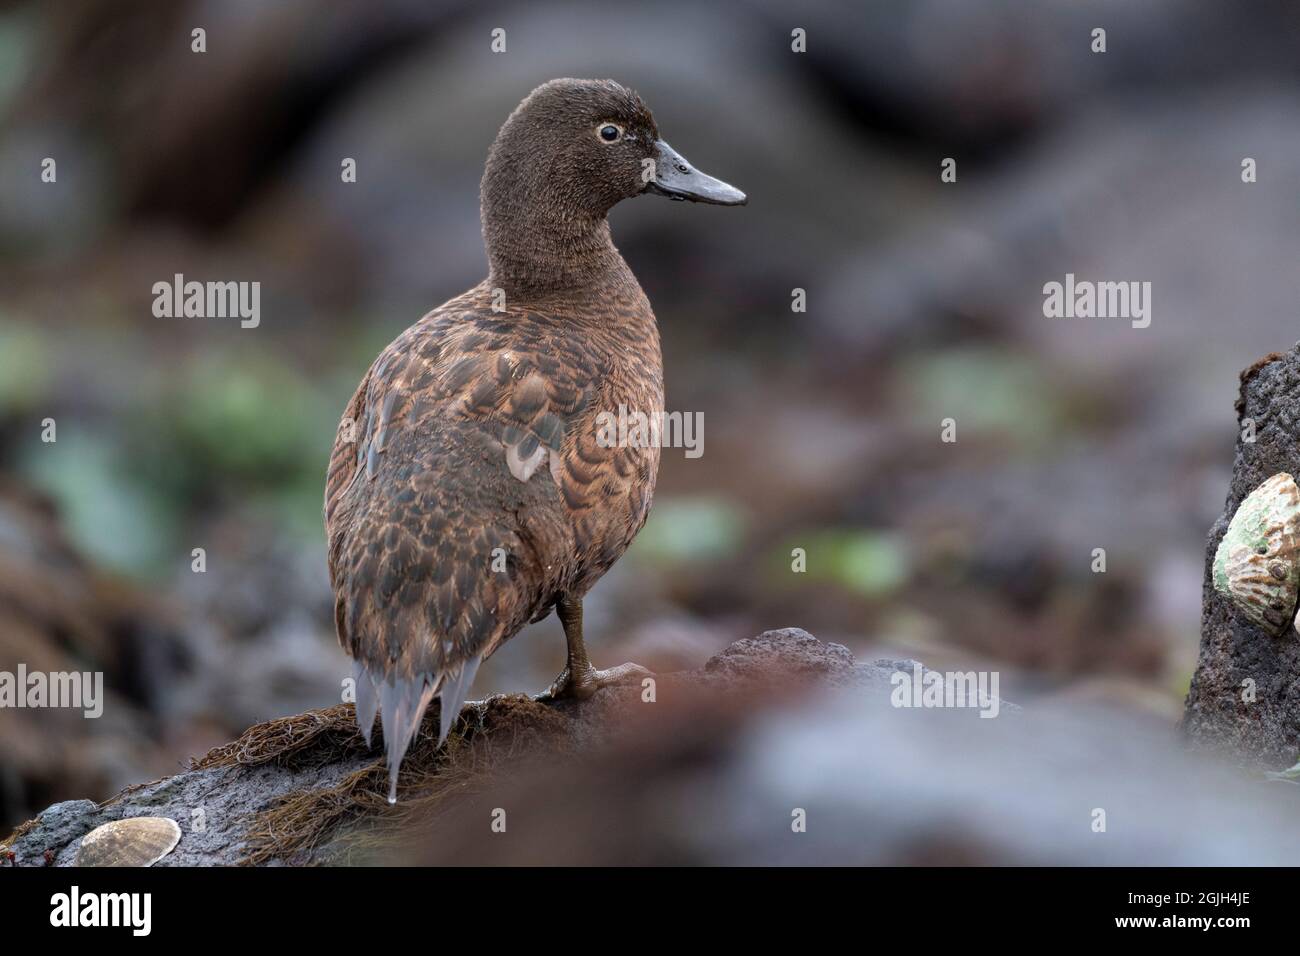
[(468, 490)]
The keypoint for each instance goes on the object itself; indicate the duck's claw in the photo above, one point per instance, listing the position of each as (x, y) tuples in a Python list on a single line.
[(582, 683)]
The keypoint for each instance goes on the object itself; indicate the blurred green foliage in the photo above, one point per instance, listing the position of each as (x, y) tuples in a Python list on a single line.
[(872, 564), (229, 427), (985, 390), (236, 431), (232, 430), (683, 530), (25, 368), (106, 512), (17, 28)]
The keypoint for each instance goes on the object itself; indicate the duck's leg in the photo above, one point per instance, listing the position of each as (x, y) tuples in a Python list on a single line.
[(579, 679)]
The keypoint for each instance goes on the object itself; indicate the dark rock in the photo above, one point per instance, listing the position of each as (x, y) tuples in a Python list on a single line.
[(217, 802), (1077, 784), (58, 825), (1265, 731), (787, 651), (715, 772)]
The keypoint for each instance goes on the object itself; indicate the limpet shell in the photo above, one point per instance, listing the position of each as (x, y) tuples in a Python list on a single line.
[(1257, 563), (135, 841)]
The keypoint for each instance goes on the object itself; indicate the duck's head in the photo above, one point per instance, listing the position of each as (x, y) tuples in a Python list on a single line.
[(581, 146)]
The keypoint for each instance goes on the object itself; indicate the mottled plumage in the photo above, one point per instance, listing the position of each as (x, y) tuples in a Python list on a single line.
[(467, 493)]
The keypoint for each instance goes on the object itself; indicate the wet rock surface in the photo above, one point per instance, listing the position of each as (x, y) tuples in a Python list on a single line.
[(1238, 658)]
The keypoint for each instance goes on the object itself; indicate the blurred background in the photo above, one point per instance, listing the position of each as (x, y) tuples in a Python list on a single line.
[(822, 428)]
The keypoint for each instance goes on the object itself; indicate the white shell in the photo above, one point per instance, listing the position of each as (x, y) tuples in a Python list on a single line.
[(1257, 563), (135, 841)]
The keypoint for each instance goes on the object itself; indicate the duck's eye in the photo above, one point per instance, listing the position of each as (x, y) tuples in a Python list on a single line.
[(609, 132)]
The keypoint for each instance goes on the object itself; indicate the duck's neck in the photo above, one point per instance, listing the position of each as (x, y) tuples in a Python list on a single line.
[(538, 250), (541, 235), (531, 252)]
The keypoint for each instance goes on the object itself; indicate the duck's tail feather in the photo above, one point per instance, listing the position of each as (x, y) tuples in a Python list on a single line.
[(403, 702), (367, 700), (454, 691)]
